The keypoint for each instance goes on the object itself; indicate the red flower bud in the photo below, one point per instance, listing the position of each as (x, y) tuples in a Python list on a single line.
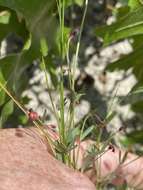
[(74, 33), (111, 147), (33, 115)]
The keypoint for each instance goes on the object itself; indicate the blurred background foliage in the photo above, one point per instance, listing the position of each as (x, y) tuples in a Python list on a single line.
[(28, 28)]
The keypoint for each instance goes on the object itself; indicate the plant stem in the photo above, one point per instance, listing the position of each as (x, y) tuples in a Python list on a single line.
[(61, 86), (50, 95), (25, 112), (78, 43), (74, 65), (11, 96)]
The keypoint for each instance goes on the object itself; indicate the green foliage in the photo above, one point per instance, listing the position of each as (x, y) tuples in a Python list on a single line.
[(78, 2), (133, 138), (7, 110), (124, 2), (129, 25), (36, 24), (40, 25), (134, 4), (5, 16)]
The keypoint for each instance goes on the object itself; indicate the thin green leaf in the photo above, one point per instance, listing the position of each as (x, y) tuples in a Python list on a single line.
[(127, 26), (86, 132)]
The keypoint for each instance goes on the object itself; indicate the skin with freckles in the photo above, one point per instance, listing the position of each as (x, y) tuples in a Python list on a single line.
[(26, 163), (130, 171)]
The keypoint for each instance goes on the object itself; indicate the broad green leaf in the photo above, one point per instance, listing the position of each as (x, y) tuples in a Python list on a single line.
[(134, 137), (79, 2), (23, 119), (2, 97), (7, 110), (127, 26), (40, 17), (13, 68), (137, 41), (134, 4), (33, 21), (14, 26), (33, 11), (4, 17), (138, 107), (121, 12)]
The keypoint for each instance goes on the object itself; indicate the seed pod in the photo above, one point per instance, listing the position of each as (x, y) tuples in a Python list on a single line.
[(111, 147), (33, 116), (74, 33)]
